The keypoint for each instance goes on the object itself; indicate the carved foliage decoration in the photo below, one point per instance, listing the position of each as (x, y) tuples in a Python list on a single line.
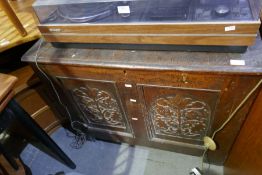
[(99, 106), (180, 116)]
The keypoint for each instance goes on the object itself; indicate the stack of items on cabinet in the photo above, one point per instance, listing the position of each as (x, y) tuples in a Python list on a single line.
[(132, 71)]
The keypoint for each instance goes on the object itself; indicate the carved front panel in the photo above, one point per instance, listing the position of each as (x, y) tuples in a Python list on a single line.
[(180, 116), (101, 106), (177, 114), (99, 103)]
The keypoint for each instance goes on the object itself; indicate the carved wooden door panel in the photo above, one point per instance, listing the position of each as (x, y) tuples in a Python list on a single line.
[(178, 114), (99, 104)]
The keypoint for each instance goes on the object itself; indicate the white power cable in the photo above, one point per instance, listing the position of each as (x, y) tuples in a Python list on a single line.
[(83, 136), (231, 117), (80, 138), (236, 110)]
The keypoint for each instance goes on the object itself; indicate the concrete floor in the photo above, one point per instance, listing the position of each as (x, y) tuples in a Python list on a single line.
[(103, 158)]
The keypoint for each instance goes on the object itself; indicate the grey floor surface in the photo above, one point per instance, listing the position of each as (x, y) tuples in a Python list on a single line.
[(103, 158)]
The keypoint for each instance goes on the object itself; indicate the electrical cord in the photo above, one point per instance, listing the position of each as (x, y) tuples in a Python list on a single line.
[(229, 119), (236, 110), (80, 137), (202, 161)]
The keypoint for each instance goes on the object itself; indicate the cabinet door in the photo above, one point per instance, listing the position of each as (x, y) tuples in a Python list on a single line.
[(181, 115), (99, 103)]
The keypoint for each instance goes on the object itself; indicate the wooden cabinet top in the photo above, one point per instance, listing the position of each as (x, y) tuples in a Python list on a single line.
[(152, 60)]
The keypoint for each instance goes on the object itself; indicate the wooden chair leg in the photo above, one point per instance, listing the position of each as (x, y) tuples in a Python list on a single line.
[(5, 120), (38, 132), (7, 169), (8, 157), (12, 16)]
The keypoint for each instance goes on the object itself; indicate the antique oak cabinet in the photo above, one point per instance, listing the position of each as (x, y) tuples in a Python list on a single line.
[(161, 99)]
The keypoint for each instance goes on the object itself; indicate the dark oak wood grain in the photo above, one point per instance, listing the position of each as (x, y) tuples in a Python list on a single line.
[(245, 157), (152, 60), (168, 100)]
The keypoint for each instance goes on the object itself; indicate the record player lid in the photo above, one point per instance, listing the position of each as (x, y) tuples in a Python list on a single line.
[(60, 2), (142, 11)]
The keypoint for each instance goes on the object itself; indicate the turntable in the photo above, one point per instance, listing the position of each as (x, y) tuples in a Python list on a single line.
[(200, 23)]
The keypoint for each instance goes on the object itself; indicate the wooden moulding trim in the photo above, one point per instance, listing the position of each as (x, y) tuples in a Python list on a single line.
[(145, 34), (179, 40), (188, 145), (80, 63), (40, 111), (250, 27), (53, 126), (156, 24), (107, 131)]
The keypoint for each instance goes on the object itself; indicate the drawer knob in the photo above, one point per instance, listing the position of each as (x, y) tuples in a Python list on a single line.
[(133, 100), (128, 85)]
